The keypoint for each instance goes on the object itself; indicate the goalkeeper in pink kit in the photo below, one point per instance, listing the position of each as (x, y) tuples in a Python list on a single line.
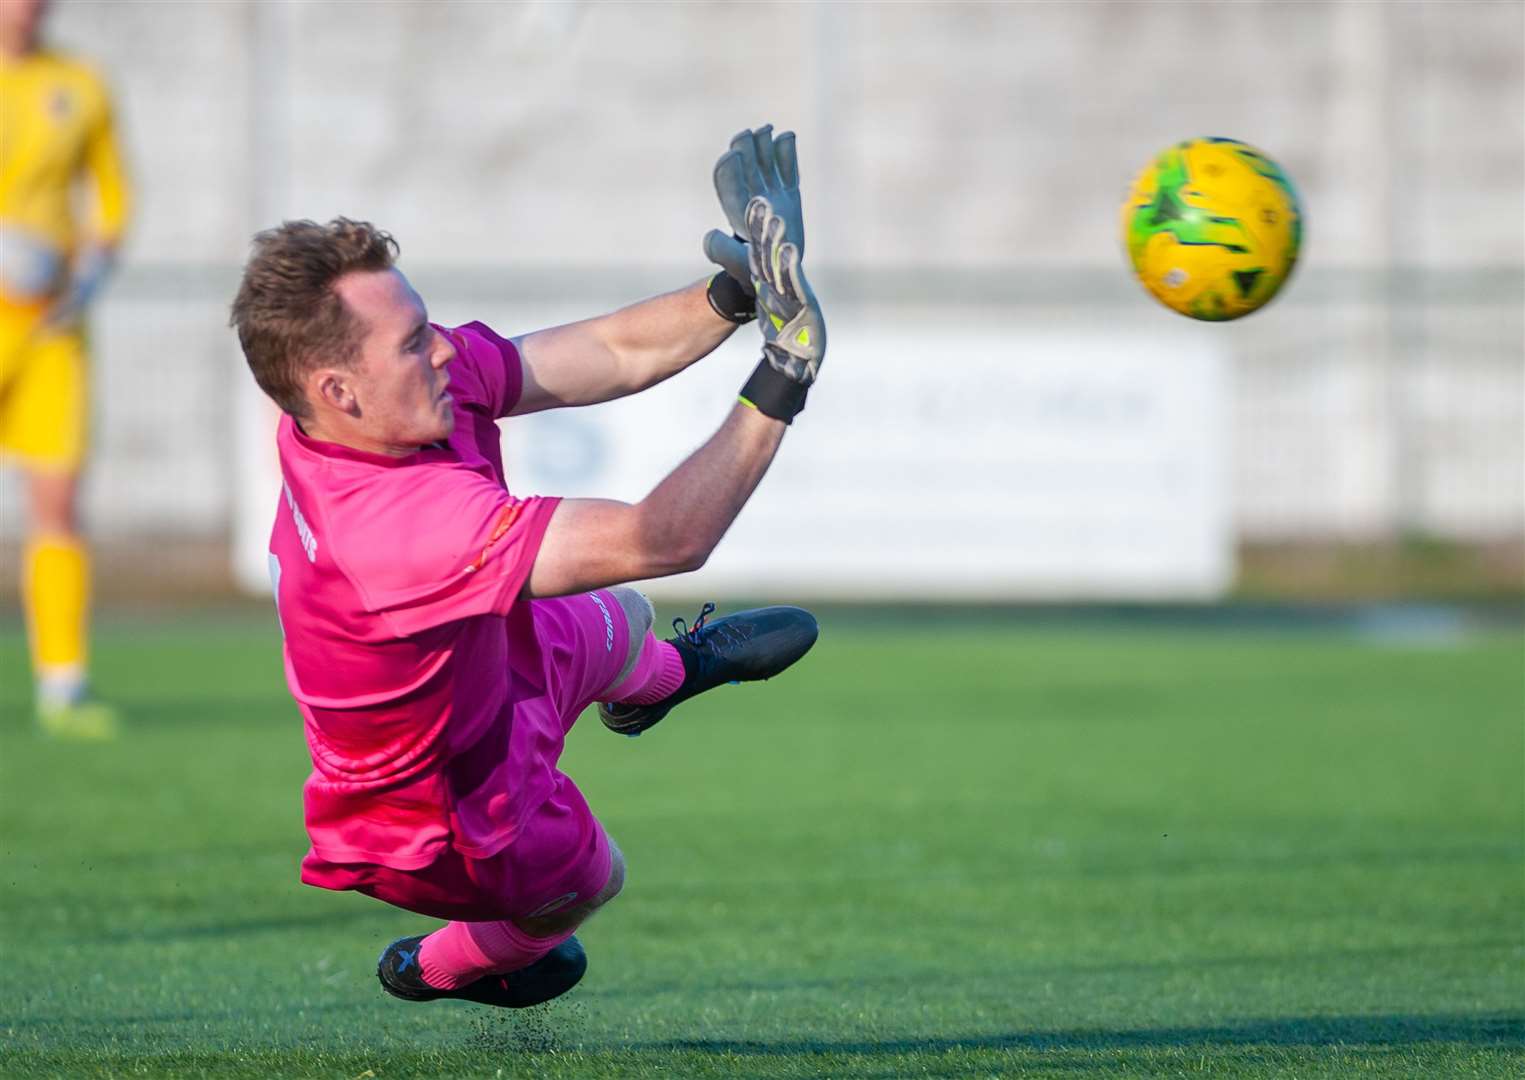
[(443, 634)]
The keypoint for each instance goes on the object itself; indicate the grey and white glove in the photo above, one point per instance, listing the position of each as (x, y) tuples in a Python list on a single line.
[(794, 332), (756, 164), (788, 314)]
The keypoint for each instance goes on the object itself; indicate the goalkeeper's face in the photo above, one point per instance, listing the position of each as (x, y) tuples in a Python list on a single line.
[(398, 385)]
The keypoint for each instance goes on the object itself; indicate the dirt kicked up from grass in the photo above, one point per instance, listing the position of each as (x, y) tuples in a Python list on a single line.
[(979, 851)]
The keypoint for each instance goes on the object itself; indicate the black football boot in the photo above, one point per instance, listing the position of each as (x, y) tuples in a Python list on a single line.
[(744, 647), (551, 976)]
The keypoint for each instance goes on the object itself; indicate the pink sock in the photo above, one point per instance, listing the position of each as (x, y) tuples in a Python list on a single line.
[(658, 672), (463, 952)]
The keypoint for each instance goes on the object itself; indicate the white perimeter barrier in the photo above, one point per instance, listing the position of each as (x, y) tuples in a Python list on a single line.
[(939, 458)]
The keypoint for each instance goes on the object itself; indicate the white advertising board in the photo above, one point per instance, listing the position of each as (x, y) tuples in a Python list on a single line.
[(938, 459), (942, 459)]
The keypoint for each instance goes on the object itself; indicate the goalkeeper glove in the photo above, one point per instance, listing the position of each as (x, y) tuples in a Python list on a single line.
[(756, 164), (789, 316)]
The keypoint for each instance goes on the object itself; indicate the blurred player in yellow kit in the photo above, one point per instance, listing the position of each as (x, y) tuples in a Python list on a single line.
[(63, 206)]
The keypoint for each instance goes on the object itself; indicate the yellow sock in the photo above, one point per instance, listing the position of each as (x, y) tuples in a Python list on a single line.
[(56, 592)]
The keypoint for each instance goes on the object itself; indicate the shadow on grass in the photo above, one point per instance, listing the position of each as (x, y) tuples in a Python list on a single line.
[(911, 980), (1488, 1029), (1085, 866)]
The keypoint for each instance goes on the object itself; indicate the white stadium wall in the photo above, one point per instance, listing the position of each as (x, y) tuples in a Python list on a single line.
[(962, 167)]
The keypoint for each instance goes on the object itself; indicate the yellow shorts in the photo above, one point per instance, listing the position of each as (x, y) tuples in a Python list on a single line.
[(44, 406)]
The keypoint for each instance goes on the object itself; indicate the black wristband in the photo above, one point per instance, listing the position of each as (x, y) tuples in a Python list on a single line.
[(731, 300), (774, 394)]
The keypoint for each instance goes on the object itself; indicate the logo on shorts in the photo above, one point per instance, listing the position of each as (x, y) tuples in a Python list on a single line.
[(608, 622), (554, 905)]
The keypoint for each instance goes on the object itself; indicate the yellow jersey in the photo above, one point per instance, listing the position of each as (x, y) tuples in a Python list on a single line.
[(56, 131)]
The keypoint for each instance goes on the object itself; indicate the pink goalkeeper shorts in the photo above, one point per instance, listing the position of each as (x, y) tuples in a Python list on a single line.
[(560, 856)]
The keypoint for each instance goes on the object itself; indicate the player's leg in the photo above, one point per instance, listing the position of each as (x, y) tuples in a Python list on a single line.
[(55, 580), (556, 923), (56, 587), (43, 422), (523, 957), (653, 669), (639, 615), (560, 870), (742, 647), (561, 865)]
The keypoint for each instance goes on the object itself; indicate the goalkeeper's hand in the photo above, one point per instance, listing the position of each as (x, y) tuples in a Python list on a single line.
[(794, 332), (756, 164)]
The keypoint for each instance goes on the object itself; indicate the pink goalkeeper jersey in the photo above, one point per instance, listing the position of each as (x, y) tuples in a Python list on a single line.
[(397, 581)]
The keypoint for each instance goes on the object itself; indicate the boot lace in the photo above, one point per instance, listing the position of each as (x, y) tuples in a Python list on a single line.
[(717, 640), (695, 633)]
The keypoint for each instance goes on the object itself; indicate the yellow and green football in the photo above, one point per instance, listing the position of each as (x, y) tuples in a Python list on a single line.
[(1212, 227)]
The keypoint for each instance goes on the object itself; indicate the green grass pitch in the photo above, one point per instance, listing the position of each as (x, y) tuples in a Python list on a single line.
[(966, 849)]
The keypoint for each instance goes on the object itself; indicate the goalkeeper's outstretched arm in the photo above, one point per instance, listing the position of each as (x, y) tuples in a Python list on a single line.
[(594, 543), (621, 353)]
